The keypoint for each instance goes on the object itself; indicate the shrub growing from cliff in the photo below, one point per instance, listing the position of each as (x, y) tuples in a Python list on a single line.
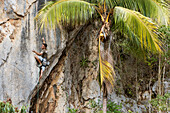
[(112, 107), (7, 107), (161, 102)]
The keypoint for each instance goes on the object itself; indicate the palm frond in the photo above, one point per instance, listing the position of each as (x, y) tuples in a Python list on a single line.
[(109, 3), (106, 67), (130, 4), (138, 28), (65, 11), (155, 9), (158, 10)]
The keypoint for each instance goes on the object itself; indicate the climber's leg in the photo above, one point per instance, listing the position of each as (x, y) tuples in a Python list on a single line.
[(40, 74), (39, 59), (42, 70)]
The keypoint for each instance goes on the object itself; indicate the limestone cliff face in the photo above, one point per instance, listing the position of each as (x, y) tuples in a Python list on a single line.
[(67, 82), (18, 37), (72, 84)]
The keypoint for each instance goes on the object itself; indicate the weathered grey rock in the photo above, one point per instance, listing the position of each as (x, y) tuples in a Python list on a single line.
[(5, 50), (127, 103), (91, 89), (18, 37), (66, 83), (166, 84)]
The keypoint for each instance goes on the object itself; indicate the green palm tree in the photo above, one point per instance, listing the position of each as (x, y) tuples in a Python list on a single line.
[(136, 19)]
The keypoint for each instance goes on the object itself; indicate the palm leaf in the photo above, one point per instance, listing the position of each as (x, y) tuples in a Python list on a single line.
[(106, 68), (138, 28), (154, 9), (65, 11), (158, 10)]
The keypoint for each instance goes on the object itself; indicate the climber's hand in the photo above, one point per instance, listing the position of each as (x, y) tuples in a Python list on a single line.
[(33, 51), (43, 39)]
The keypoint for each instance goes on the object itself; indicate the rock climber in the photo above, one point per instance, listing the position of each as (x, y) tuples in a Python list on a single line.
[(41, 57)]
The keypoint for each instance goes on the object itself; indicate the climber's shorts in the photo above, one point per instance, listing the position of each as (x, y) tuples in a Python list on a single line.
[(40, 57), (43, 68)]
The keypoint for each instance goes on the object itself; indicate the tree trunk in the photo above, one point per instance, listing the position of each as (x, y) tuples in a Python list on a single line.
[(163, 76), (159, 76), (104, 98), (150, 92), (159, 79), (136, 80)]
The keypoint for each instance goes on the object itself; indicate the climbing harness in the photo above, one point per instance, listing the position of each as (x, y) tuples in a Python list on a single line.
[(45, 62)]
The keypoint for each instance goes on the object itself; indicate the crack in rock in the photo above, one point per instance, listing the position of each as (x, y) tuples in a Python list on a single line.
[(19, 16), (6, 58)]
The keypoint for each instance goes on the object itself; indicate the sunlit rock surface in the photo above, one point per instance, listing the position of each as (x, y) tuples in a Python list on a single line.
[(18, 37), (66, 83)]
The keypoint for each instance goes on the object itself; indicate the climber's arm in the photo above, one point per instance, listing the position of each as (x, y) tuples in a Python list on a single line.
[(43, 40), (37, 53)]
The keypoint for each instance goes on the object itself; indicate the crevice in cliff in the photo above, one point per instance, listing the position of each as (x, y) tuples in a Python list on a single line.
[(42, 87), (19, 16), (27, 11), (54, 60), (40, 95), (9, 20), (5, 60)]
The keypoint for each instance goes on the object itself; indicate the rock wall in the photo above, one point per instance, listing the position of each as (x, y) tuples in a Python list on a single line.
[(71, 79), (72, 83), (18, 37)]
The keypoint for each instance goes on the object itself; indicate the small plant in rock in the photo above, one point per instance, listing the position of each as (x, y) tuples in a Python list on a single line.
[(161, 103), (24, 109), (129, 111), (151, 61), (93, 104), (73, 110), (95, 62), (96, 106), (112, 107), (84, 62), (7, 107)]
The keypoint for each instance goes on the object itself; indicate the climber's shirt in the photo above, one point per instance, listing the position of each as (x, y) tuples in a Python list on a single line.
[(44, 53)]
